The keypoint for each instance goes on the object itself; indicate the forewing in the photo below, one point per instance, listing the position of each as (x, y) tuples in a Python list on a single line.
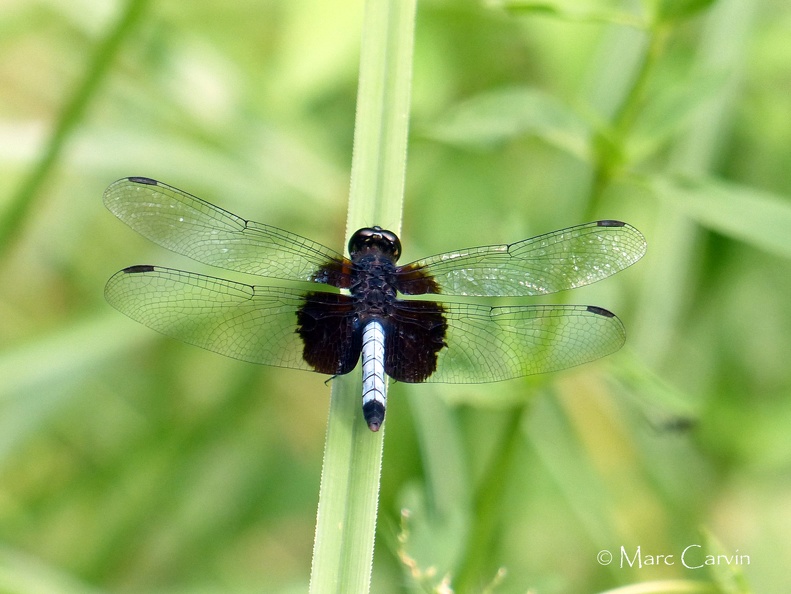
[(489, 344), (195, 228), (545, 264), (256, 324)]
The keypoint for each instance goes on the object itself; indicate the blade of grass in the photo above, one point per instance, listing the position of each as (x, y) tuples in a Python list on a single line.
[(483, 535), (743, 213), (22, 201), (348, 499)]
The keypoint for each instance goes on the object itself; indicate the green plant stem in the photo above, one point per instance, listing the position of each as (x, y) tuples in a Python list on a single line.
[(488, 510), (348, 500), (22, 201), (610, 147), (665, 293)]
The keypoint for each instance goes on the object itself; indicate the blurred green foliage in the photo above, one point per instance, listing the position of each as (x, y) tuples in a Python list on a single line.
[(132, 463)]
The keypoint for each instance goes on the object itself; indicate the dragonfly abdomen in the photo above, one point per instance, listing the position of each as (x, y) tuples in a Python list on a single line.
[(374, 387)]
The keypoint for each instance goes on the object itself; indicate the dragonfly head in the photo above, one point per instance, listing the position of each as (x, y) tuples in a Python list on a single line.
[(375, 238)]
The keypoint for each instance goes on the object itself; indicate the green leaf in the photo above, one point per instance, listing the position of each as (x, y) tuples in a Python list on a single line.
[(493, 118), (571, 11), (676, 10), (743, 213)]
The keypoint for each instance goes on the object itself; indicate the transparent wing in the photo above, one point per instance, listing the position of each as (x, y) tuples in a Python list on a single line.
[(545, 264), (255, 324), (190, 226), (489, 344), (261, 325)]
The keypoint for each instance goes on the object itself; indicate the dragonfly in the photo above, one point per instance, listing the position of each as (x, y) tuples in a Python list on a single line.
[(328, 331)]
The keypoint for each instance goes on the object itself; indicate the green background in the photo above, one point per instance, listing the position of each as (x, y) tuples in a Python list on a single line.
[(133, 463)]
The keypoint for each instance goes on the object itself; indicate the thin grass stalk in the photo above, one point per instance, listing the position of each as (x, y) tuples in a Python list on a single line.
[(662, 303), (349, 495), (21, 202)]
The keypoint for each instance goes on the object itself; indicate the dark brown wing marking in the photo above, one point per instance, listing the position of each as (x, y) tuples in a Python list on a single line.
[(326, 326), (415, 335), (265, 325), (413, 279)]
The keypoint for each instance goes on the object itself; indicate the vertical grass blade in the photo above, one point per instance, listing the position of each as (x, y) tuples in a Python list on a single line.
[(22, 201), (348, 500)]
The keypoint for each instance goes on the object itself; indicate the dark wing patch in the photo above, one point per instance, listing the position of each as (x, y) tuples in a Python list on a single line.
[(327, 329), (415, 335), (490, 344), (255, 324), (199, 230), (553, 262), (415, 279)]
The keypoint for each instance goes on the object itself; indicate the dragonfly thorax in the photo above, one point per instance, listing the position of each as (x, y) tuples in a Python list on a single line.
[(373, 285)]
